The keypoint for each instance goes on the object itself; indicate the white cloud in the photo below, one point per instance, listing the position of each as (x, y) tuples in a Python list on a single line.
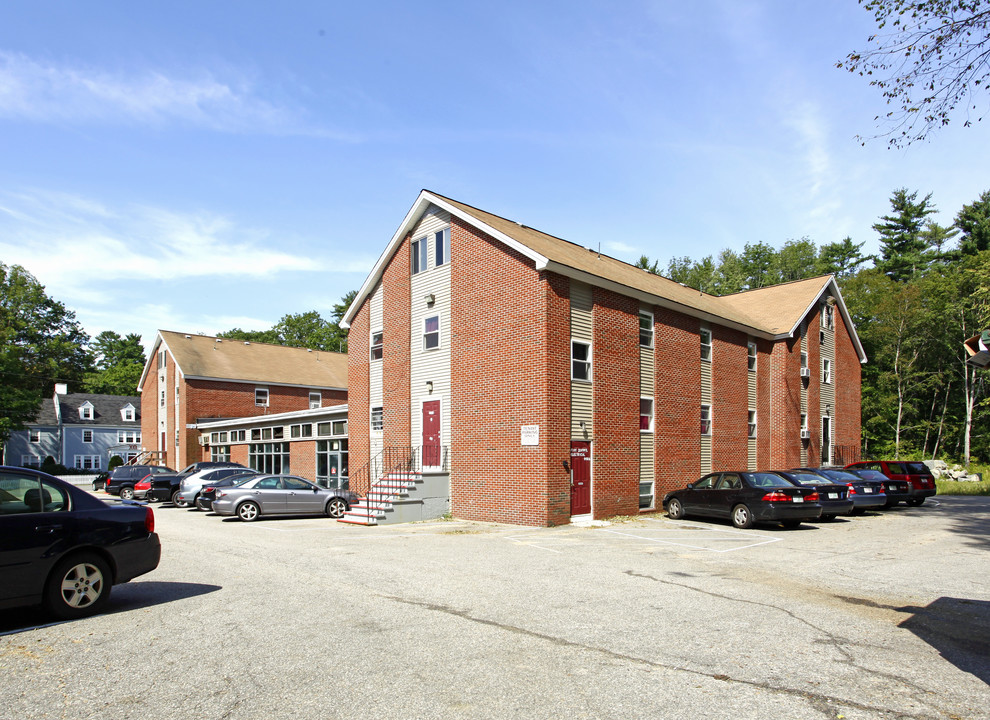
[(49, 92)]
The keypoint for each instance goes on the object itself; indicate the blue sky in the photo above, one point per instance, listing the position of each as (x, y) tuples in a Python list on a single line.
[(197, 166)]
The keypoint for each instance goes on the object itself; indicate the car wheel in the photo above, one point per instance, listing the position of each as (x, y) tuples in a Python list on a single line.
[(195, 503), (915, 502), (78, 586), (790, 524), (742, 518), (336, 508), (127, 493), (178, 501), (675, 510), (248, 511)]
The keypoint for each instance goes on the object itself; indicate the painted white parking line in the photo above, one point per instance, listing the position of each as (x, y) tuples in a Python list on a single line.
[(527, 541), (708, 534)]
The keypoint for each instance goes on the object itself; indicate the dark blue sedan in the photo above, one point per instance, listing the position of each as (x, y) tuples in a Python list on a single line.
[(63, 548)]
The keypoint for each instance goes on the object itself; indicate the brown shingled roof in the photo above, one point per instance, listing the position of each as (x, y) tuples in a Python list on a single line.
[(201, 356)]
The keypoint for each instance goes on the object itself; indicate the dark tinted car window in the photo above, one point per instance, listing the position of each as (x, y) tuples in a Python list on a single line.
[(705, 483), (22, 494), (291, 483), (918, 468), (269, 483), (808, 479), (842, 475), (896, 468)]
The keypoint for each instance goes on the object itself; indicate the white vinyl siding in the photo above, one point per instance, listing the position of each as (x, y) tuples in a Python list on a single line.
[(706, 394), (582, 393), (376, 320), (827, 389), (430, 365), (752, 362), (803, 385)]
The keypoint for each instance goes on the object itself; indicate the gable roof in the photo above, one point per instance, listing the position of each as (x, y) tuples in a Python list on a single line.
[(202, 357), (106, 410), (772, 313)]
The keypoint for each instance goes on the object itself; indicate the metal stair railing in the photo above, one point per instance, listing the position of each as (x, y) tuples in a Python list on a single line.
[(392, 461)]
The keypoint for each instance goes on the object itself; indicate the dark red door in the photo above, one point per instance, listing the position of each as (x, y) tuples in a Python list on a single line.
[(431, 433), (580, 478)]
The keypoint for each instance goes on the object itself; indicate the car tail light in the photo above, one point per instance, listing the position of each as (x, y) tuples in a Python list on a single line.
[(149, 519), (811, 498), (852, 490), (207, 489), (781, 496)]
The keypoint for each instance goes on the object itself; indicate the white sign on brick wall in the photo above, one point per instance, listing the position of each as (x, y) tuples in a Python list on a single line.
[(529, 434)]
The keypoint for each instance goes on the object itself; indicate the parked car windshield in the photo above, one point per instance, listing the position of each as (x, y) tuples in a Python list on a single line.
[(842, 475), (868, 474), (767, 480), (808, 478), (918, 468)]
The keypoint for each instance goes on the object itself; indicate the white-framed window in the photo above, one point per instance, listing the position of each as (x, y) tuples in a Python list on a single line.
[(161, 401), (161, 359), (238, 435), (804, 360), (376, 344), (751, 356), (30, 461), (87, 436), (218, 437), (751, 423), (645, 329), (580, 360), (87, 462), (431, 332), (442, 249), (34, 436), (177, 438), (261, 396), (128, 437), (826, 371), (377, 419), (419, 257), (176, 394), (646, 414), (315, 399), (301, 431), (706, 344), (86, 411), (706, 420), (220, 453), (828, 316), (804, 424), (127, 413)]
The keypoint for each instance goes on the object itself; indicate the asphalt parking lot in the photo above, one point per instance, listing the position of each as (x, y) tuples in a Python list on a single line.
[(883, 616)]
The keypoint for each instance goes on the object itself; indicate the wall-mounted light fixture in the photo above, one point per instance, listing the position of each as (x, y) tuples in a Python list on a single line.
[(429, 386), (828, 409), (430, 298), (581, 424)]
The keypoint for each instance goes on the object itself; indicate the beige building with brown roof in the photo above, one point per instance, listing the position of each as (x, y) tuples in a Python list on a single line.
[(194, 378)]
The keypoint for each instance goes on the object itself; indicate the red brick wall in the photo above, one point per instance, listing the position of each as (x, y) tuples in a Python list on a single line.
[(302, 458), (615, 363), (555, 388), (848, 392), (677, 403), (358, 391), (396, 397), (764, 414), (730, 399), (786, 404), (502, 367)]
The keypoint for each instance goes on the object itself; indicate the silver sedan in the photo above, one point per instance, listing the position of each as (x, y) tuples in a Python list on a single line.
[(281, 495)]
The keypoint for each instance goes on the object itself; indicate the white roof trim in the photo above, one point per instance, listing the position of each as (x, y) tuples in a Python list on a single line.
[(331, 411), (850, 326), (423, 202)]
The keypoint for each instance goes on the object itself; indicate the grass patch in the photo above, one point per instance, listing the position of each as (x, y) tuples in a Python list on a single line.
[(952, 487)]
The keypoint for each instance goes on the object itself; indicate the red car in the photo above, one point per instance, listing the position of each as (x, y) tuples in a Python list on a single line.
[(143, 487), (921, 482)]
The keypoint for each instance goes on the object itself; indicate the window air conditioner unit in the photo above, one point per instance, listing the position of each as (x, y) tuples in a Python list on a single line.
[(806, 372), (806, 434), (204, 440)]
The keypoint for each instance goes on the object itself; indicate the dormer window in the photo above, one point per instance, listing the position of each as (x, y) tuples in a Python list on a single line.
[(127, 413), (86, 411)]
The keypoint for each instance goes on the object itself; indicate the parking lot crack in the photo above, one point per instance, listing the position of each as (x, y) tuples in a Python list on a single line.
[(825, 704)]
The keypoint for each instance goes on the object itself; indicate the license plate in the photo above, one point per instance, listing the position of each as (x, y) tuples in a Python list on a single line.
[(833, 496), (797, 498), (868, 491)]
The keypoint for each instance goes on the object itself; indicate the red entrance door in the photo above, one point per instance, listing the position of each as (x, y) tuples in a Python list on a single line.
[(431, 433), (580, 478)]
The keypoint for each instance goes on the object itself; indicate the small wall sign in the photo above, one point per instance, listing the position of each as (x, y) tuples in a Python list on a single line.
[(529, 434)]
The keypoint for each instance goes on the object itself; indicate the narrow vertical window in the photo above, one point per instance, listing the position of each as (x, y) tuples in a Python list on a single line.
[(645, 329), (805, 434), (646, 414), (419, 257), (751, 423), (706, 419), (431, 332), (87, 436), (34, 436), (376, 345), (804, 365), (580, 360), (442, 244), (827, 372), (751, 356), (706, 344), (377, 419)]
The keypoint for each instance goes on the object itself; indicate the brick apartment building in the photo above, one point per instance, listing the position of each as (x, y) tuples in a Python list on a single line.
[(549, 382), (190, 379)]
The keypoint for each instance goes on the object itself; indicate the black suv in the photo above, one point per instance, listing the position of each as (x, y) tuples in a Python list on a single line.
[(124, 477)]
